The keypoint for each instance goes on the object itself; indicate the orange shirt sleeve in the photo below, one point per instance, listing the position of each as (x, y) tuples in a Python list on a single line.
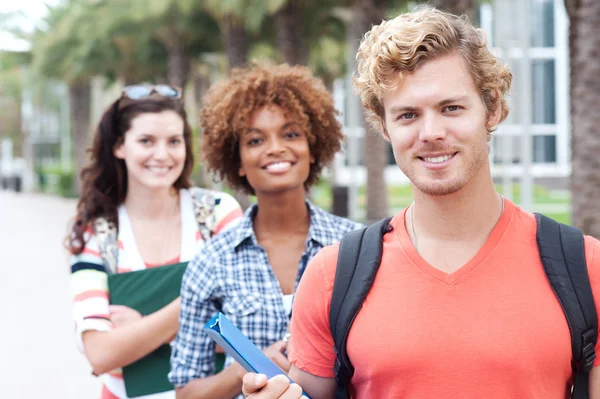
[(311, 346), (592, 256)]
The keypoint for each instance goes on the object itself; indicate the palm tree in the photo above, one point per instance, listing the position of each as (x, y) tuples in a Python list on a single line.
[(458, 7), (235, 37), (239, 21), (290, 31), (80, 94), (61, 52), (327, 42), (11, 94), (584, 42), (182, 27), (12, 77), (366, 13)]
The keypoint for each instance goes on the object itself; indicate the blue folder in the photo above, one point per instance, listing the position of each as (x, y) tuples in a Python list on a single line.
[(237, 345)]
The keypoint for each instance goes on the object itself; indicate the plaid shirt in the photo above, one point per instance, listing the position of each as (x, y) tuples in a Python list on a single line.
[(232, 274)]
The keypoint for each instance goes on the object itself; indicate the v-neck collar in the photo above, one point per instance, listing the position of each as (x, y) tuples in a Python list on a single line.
[(130, 256), (465, 270)]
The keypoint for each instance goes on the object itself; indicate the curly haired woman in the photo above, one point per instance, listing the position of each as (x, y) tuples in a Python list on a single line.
[(137, 211), (268, 131)]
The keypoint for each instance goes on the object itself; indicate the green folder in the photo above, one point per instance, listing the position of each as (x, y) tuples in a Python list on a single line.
[(147, 291)]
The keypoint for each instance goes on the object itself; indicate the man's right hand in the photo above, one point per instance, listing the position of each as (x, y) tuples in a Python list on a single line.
[(256, 386)]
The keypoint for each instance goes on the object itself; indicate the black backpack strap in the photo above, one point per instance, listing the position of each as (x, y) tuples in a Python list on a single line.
[(563, 255), (358, 261)]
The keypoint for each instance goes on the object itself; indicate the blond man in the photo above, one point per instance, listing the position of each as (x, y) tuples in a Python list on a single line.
[(461, 306)]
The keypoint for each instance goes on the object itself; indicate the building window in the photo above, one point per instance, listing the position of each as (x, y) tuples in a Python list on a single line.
[(544, 149), (542, 23), (543, 92), (507, 149), (544, 53)]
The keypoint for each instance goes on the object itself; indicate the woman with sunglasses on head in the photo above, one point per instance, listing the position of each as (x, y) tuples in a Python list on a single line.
[(268, 131), (137, 211)]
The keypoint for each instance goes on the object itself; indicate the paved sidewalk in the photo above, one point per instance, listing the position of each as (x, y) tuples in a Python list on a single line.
[(38, 359)]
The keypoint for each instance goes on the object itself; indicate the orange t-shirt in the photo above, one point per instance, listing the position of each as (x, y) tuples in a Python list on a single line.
[(492, 329)]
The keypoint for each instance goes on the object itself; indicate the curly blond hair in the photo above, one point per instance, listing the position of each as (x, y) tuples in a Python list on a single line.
[(228, 106), (397, 47)]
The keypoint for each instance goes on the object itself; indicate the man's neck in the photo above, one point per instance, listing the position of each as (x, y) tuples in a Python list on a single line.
[(466, 215), (142, 203)]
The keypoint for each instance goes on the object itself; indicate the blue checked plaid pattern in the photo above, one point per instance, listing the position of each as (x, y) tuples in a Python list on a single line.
[(232, 275)]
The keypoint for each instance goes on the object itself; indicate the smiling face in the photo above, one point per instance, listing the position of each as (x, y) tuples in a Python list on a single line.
[(437, 124), (274, 152), (153, 150)]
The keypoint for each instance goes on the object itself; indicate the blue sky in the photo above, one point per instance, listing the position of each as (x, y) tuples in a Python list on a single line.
[(33, 11)]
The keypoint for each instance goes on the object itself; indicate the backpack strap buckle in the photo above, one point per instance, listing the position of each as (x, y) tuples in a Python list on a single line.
[(588, 352)]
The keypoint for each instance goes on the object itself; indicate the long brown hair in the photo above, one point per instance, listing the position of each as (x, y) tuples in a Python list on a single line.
[(104, 180)]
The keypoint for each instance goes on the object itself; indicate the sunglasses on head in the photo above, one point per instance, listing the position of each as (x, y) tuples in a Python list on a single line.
[(138, 92)]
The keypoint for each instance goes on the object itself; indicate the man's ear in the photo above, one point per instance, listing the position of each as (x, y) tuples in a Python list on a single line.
[(384, 131), (495, 115)]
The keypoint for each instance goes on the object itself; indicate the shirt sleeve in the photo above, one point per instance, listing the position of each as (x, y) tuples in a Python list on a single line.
[(227, 213), (311, 345), (89, 286), (592, 255), (193, 351)]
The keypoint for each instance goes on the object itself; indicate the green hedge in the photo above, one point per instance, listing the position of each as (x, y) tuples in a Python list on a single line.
[(52, 179)]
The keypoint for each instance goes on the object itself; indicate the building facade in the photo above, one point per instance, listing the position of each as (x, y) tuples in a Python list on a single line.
[(548, 125)]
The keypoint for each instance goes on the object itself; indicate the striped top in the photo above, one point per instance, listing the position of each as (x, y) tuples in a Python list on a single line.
[(89, 280)]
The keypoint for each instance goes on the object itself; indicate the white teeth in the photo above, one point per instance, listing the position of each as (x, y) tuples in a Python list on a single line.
[(158, 169), (279, 166), (441, 159)]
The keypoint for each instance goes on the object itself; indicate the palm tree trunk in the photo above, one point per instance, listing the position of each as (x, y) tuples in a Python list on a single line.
[(236, 40), (236, 47), (201, 85), (80, 94), (25, 143), (202, 82), (15, 129), (178, 65), (178, 61), (129, 69), (366, 14), (584, 40), (289, 33), (458, 7)]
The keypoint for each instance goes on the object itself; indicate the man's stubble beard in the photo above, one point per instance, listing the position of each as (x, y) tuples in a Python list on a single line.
[(447, 186)]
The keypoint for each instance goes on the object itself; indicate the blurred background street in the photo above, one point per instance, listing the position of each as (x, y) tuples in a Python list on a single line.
[(60, 68), (63, 61), (39, 359)]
